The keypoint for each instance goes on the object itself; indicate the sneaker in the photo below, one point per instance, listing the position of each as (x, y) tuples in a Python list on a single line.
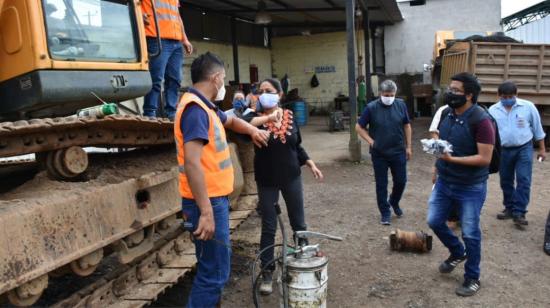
[(398, 211), (266, 287), (547, 248), (520, 221), (449, 265), (469, 287), (506, 214), (385, 220)]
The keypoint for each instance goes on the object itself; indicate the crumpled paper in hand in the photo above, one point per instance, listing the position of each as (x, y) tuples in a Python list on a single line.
[(436, 146)]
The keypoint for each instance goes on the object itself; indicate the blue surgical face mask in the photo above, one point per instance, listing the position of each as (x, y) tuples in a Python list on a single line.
[(239, 104), (508, 102), (269, 100)]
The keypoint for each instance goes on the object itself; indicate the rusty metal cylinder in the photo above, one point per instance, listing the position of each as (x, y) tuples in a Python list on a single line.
[(410, 241)]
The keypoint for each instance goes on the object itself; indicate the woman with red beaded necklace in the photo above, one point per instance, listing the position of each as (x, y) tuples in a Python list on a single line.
[(277, 168)]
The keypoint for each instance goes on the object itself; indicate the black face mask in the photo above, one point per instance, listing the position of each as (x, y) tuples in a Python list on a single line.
[(454, 100)]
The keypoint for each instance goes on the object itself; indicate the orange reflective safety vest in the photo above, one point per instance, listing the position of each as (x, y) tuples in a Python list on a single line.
[(215, 159), (168, 17)]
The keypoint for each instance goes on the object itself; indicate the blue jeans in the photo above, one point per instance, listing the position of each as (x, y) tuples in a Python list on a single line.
[(213, 256), (166, 67), (294, 200), (398, 167), (469, 200), (516, 162)]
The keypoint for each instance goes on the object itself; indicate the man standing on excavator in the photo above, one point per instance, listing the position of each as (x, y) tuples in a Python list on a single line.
[(167, 66)]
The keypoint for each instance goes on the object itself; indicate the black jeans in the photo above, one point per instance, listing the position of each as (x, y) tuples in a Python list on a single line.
[(269, 196)]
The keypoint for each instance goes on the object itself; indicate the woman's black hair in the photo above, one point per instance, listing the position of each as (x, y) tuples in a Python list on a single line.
[(275, 83)]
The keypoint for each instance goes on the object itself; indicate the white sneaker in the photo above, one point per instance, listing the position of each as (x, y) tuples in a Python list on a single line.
[(266, 287)]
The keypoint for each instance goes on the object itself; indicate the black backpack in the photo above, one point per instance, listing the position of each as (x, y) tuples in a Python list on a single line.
[(477, 115)]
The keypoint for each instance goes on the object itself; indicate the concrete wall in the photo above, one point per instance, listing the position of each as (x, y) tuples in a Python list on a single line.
[(247, 56), (409, 44), (298, 56)]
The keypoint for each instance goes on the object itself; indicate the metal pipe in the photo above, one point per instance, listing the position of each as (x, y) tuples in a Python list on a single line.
[(354, 143), (235, 50), (368, 67), (283, 268)]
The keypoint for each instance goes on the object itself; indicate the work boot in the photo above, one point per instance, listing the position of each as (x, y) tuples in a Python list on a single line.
[(520, 221), (449, 265), (469, 287), (506, 214), (266, 287)]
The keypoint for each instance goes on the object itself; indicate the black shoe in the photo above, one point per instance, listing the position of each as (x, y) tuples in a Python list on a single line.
[(546, 248), (449, 265), (468, 288), (506, 214), (520, 221)]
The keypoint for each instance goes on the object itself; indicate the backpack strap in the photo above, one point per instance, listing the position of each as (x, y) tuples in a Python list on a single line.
[(444, 114)]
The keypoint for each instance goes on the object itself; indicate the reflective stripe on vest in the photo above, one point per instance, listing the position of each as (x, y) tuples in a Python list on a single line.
[(168, 17), (215, 160)]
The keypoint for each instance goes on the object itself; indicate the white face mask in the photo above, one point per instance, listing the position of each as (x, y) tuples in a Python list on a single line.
[(221, 93), (387, 100), (269, 100)]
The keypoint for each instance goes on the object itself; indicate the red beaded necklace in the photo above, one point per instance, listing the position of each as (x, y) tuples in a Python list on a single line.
[(281, 128)]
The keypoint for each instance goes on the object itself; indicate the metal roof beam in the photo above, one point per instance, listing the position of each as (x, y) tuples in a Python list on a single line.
[(317, 9)]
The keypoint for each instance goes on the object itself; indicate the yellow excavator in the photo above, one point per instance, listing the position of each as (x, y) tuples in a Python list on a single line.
[(116, 212), (60, 56)]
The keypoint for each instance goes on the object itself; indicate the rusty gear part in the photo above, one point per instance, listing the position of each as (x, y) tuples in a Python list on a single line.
[(87, 265), (28, 293), (410, 241)]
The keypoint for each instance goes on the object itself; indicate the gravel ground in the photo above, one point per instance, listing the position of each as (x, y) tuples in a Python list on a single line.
[(363, 272)]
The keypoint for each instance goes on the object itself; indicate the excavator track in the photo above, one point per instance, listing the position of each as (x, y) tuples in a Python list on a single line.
[(140, 283), (123, 217), (50, 134)]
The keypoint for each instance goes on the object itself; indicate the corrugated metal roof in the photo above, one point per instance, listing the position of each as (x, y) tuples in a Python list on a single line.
[(536, 32)]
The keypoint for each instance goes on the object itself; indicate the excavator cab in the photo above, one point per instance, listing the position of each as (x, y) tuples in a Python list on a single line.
[(57, 55)]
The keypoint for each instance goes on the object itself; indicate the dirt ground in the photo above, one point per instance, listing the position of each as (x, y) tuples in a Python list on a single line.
[(363, 272)]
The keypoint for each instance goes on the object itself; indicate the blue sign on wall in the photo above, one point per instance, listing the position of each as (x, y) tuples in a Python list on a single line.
[(325, 69)]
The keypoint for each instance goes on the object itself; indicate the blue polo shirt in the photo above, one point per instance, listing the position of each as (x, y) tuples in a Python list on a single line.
[(385, 126), (194, 122), (520, 125)]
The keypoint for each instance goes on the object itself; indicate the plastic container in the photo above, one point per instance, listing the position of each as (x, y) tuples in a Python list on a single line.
[(300, 113), (98, 111)]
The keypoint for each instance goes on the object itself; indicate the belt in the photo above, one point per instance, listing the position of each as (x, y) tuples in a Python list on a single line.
[(516, 146)]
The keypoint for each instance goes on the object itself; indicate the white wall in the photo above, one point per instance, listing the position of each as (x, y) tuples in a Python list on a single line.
[(247, 56), (409, 44)]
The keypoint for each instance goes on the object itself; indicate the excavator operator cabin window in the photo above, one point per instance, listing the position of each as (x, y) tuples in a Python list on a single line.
[(91, 30)]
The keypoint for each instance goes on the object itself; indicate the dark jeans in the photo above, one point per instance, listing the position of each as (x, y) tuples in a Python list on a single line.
[(398, 167), (213, 256), (516, 163), (469, 199), (269, 196), (165, 67), (547, 230)]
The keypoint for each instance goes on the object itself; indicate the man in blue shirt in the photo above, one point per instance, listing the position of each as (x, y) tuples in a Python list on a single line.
[(201, 147), (518, 124), (389, 136)]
